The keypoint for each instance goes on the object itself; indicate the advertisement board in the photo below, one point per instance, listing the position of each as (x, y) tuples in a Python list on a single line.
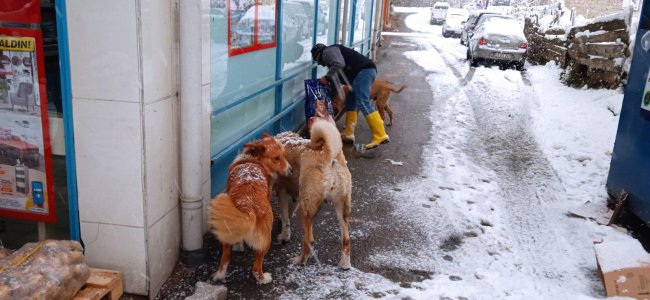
[(26, 182)]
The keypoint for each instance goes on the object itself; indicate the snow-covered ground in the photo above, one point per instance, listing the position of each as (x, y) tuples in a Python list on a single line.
[(508, 208), (511, 153)]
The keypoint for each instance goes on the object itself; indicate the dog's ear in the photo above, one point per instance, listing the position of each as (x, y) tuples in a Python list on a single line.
[(265, 135), (255, 149)]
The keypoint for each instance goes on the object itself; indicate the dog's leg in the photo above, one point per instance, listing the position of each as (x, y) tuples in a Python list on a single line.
[(380, 106), (238, 247), (262, 278), (343, 213), (220, 275), (390, 115), (284, 199), (306, 219)]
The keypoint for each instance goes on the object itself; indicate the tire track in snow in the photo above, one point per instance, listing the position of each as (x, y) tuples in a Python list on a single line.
[(528, 183)]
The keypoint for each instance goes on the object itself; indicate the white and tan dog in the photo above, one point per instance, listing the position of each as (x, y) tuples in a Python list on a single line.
[(320, 172)]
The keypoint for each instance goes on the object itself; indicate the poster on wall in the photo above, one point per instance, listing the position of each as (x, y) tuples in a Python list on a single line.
[(251, 25), (21, 11), (26, 183)]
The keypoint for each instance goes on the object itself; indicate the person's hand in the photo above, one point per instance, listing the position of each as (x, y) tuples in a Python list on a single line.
[(324, 80)]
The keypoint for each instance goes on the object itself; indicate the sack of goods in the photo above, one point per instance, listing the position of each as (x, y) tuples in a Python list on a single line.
[(51, 269), (318, 101)]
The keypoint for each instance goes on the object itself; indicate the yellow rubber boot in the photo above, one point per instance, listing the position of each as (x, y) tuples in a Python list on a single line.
[(379, 135), (350, 124)]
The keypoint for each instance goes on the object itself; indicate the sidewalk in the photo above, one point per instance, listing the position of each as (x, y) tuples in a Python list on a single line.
[(373, 227)]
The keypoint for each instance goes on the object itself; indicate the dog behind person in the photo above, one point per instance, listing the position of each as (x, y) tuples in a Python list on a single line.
[(244, 212)]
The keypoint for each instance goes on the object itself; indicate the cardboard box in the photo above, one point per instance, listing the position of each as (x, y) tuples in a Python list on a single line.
[(624, 267)]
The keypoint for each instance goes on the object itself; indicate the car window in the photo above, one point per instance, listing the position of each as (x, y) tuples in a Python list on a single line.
[(441, 6)]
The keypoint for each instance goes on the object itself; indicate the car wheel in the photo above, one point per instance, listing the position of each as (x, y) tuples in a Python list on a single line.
[(472, 61), (519, 66)]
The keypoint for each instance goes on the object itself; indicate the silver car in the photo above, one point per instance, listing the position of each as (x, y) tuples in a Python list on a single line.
[(470, 24), (498, 40)]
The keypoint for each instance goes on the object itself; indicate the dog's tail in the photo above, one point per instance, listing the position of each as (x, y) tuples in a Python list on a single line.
[(325, 137), (392, 88), (229, 223)]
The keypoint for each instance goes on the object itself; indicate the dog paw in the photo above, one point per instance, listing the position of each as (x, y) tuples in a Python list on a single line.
[(298, 260), (219, 276), (239, 247), (266, 278), (344, 263), (284, 236)]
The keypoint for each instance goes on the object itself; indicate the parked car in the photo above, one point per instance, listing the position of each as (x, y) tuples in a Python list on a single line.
[(439, 13), (500, 3), (453, 25), (470, 24), (498, 40)]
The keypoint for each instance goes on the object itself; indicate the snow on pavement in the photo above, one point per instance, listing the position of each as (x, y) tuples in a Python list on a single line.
[(509, 156), (510, 153)]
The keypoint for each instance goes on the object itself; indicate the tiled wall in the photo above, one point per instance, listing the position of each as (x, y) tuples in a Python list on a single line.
[(124, 66)]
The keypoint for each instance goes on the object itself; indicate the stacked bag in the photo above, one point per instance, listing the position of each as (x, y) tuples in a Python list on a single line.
[(52, 269)]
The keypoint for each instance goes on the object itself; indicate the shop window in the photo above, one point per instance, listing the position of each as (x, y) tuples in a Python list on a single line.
[(243, 71), (32, 127)]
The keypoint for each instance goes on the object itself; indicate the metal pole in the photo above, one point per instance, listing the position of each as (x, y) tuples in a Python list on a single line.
[(353, 16), (278, 65), (191, 141), (313, 40), (376, 34), (344, 26), (68, 125)]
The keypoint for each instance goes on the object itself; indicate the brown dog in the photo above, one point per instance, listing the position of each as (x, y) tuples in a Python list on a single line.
[(379, 92), (244, 212), (320, 173)]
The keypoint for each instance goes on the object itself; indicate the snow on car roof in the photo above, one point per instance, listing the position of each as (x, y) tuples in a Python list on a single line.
[(503, 26)]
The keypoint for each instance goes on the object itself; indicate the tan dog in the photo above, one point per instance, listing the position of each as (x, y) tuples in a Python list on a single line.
[(320, 173), (244, 212), (379, 92)]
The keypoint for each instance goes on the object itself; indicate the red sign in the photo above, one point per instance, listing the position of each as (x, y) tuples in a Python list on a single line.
[(251, 25), (20, 11), (26, 182)]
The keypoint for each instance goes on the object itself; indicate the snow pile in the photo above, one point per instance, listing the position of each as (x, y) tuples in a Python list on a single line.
[(576, 129)]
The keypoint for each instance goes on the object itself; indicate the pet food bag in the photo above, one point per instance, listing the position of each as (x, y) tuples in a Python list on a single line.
[(319, 101), (50, 269)]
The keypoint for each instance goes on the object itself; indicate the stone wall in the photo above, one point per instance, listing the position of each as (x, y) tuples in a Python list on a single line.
[(594, 8), (591, 55)]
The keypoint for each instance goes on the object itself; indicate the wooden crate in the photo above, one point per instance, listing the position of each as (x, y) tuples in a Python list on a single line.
[(102, 284)]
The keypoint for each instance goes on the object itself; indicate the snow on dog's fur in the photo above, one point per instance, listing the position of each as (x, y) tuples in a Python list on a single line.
[(244, 212), (320, 173)]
